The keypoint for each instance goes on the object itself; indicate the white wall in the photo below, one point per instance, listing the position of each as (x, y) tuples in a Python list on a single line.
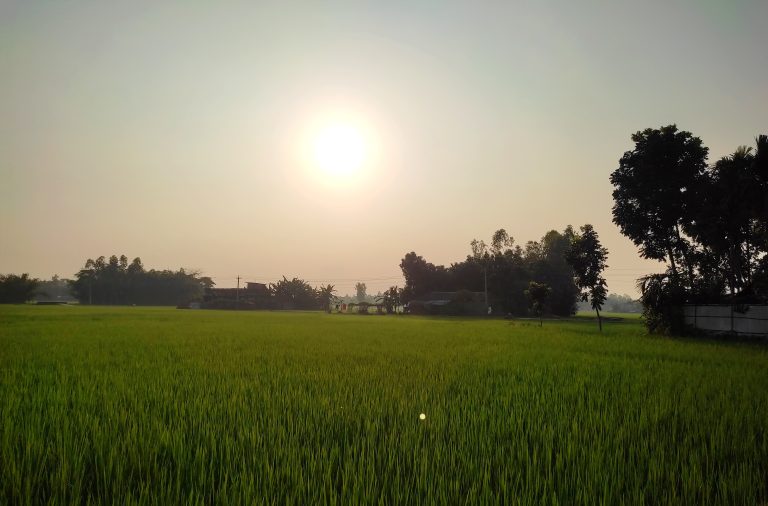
[(725, 318)]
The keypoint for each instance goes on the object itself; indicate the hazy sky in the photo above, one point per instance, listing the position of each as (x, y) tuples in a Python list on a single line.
[(176, 131)]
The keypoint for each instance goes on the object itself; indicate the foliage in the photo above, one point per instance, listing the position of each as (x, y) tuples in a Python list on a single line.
[(622, 303), (587, 257), (653, 192), (662, 297), (547, 264), (730, 216), (105, 405), (509, 269), (294, 294), (115, 282), (15, 289), (422, 277), (360, 290), (391, 298), (538, 295), (326, 296), (709, 224)]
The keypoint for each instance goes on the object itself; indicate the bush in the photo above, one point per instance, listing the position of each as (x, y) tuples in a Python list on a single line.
[(662, 298)]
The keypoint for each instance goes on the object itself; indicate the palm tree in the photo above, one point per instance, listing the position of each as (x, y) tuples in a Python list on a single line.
[(325, 295)]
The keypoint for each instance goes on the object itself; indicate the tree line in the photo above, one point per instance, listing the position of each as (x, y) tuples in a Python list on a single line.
[(549, 275), (115, 281), (17, 289), (708, 223)]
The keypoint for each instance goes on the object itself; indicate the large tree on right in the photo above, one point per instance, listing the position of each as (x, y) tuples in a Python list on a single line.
[(654, 191)]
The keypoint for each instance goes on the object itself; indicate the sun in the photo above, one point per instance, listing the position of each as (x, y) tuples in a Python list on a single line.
[(339, 149)]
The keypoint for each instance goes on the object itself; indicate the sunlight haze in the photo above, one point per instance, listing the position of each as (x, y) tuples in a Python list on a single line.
[(216, 136)]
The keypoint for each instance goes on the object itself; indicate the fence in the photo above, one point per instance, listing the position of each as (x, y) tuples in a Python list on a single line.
[(745, 320)]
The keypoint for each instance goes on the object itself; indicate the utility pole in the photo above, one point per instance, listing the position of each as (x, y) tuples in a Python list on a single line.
[(237, 294)]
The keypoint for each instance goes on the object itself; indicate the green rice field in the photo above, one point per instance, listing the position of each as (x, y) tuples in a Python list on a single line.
[(164, 406)]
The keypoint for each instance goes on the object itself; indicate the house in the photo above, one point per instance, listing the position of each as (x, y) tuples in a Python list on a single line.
[(250, 291), (253, 295)]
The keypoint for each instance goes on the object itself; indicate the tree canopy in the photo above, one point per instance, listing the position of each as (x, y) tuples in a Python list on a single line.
[(509, 269), (708, 223), (115, 281), (654, 189), (587, 257), (15, 289)]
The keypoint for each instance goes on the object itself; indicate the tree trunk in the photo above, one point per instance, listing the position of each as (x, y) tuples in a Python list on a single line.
[(672, 261), (749, 261), (599, 320), (686, 260)]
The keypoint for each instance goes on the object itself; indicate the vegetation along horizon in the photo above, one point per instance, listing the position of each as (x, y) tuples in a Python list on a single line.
[(157, 405)]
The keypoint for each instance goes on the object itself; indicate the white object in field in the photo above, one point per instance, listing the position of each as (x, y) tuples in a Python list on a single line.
[(422, 416)]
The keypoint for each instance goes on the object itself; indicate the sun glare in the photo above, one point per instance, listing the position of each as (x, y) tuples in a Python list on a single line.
[(339, 149)]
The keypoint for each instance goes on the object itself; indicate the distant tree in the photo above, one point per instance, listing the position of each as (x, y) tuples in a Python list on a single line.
[(622, 303), (537, 294), (482, 257), (653, 193), (390, 299), (587, 257), (546, 263), (294, 294), (136, 267), (422, 277), (16, 289), (491, 259), (360, 290), (326, 296), (502, 270), (500, 242), (118, 282)]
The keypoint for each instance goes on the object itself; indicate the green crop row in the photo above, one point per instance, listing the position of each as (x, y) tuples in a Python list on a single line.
[(161, 406)]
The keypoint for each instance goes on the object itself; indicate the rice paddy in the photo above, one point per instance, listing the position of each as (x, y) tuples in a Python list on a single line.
[(163, 406)]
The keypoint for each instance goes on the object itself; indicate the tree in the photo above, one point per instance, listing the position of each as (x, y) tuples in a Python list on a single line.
[(537, 294), (502, 271), (662, 298), (653, 193), (16, 289), (501, 241), (422, 277), (555, 271), (587, 258), (118, 282), (730, 219), (325, 295), (390, 298), (294, 294), (618, 303), (481, 256), (710, 224), (360, 289)]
